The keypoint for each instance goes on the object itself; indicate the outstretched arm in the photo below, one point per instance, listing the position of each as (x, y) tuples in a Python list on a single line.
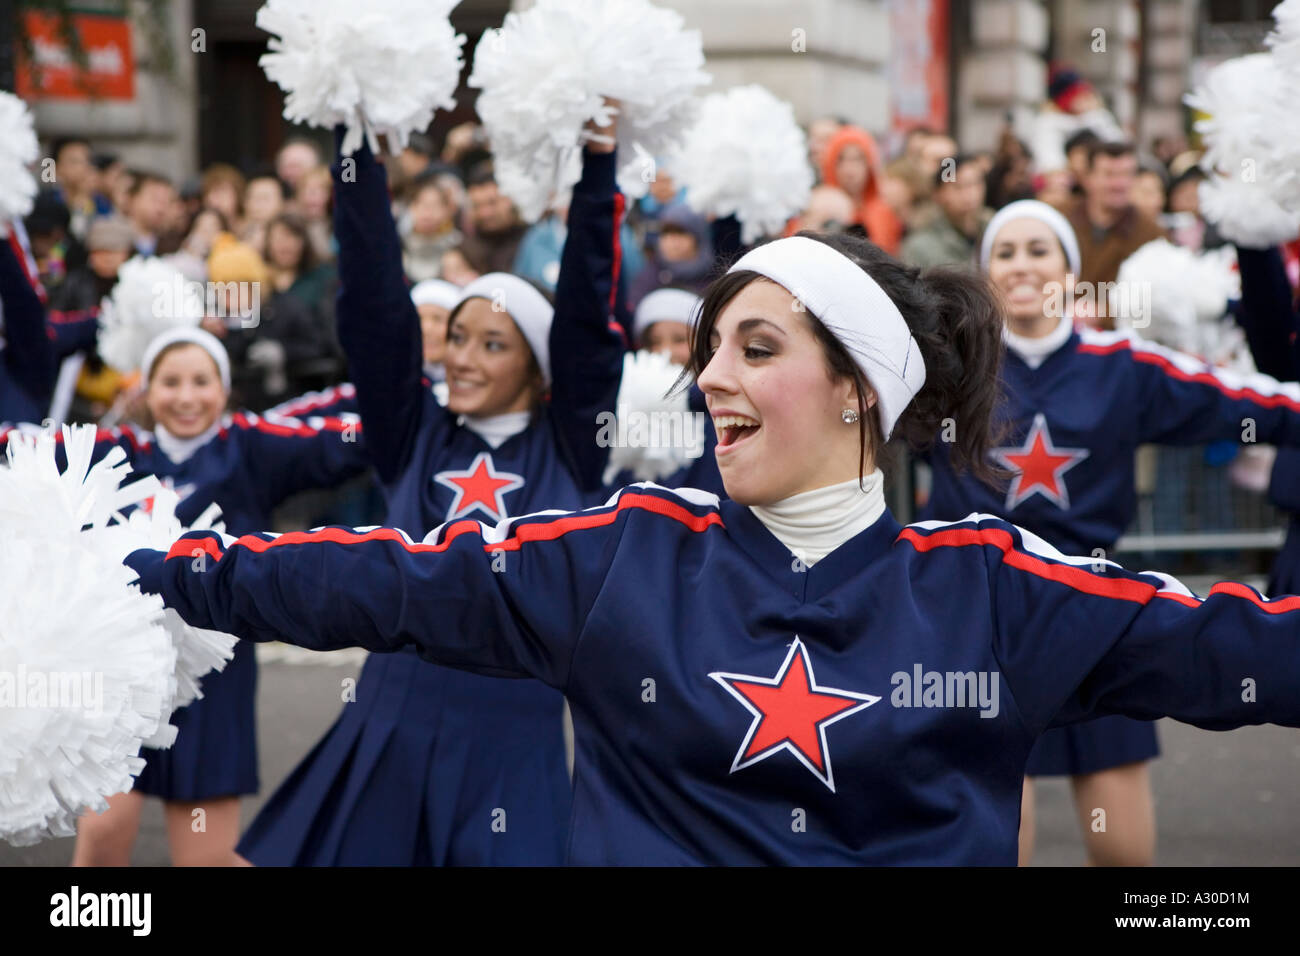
[(290, 455), (510, 600), (1181, 400), (1080, 637), (327, 403)]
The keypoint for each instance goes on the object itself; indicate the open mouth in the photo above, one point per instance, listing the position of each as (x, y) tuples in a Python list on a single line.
[(734, 429)]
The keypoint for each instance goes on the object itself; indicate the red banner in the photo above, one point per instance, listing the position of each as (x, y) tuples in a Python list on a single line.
[(109, 72), (918, 64)]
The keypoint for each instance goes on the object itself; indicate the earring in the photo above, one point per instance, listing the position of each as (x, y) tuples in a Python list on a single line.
[(849, 416)]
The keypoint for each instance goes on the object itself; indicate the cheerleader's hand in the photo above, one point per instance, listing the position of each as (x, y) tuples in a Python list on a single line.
[(603, 139)]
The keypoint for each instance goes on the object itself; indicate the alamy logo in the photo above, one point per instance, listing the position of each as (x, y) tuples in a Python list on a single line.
[(75, 908), (922, 688)]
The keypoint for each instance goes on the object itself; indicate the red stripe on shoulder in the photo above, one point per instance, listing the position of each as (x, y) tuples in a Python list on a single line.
[(1124, 589), (524, 533)]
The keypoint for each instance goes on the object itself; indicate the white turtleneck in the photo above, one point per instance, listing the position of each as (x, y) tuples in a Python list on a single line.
[(179, 450), (495, 429), (1035, 350), (814, 523)]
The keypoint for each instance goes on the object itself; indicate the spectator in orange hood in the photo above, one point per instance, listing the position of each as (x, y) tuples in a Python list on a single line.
[(852, 162)]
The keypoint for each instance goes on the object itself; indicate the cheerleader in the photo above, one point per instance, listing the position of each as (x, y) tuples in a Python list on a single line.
[(1077, 406), (247, 466), (872, 703), (428, 765)]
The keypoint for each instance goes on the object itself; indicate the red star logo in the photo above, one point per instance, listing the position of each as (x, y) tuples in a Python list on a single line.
[(181, 491), (1040, 466), (479, 486), (791, 713)]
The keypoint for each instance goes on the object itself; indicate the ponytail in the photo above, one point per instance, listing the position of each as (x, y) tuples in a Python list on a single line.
[(959, 333)]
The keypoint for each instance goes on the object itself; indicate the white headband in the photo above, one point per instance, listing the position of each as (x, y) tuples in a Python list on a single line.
[(437, 292), (194, 336), (666, 305), (524, 304), (854, 309), (1032, 209)]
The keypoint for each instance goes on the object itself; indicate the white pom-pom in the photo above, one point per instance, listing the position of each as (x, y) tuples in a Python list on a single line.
[(87, 670), (1174, 296), (198, 651), (378, 67), (746, 156), (151, 296), (546, 73), (1284, 41), (1245, 213), (1250, 132), (657, 434), (18, 150)]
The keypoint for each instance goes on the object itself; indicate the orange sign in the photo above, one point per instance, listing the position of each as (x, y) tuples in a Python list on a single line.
[(109, 72), (918, 64)]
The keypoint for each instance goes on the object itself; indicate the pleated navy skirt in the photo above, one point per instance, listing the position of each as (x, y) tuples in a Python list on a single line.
[(215, 753), (429, 766), (1091, 746)]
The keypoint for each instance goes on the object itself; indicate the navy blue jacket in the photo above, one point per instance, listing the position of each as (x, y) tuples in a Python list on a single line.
[(731, 706)]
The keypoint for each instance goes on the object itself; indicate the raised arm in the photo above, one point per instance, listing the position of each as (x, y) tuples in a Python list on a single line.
[(28, 352), (1267, 313), (1080, 637), (586, 343), (509, 600), (378, 326)]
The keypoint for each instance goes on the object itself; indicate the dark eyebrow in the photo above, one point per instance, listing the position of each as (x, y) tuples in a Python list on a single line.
[(748, 324)]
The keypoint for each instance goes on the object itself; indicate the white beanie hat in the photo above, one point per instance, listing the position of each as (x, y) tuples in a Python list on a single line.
[(524, 304), (1032, 209), (437, 292), (191, 335), (666, 305)]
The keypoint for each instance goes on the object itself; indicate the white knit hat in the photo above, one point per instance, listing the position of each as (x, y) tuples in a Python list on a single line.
[(524, 304), (666, 305), (194, 336)]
